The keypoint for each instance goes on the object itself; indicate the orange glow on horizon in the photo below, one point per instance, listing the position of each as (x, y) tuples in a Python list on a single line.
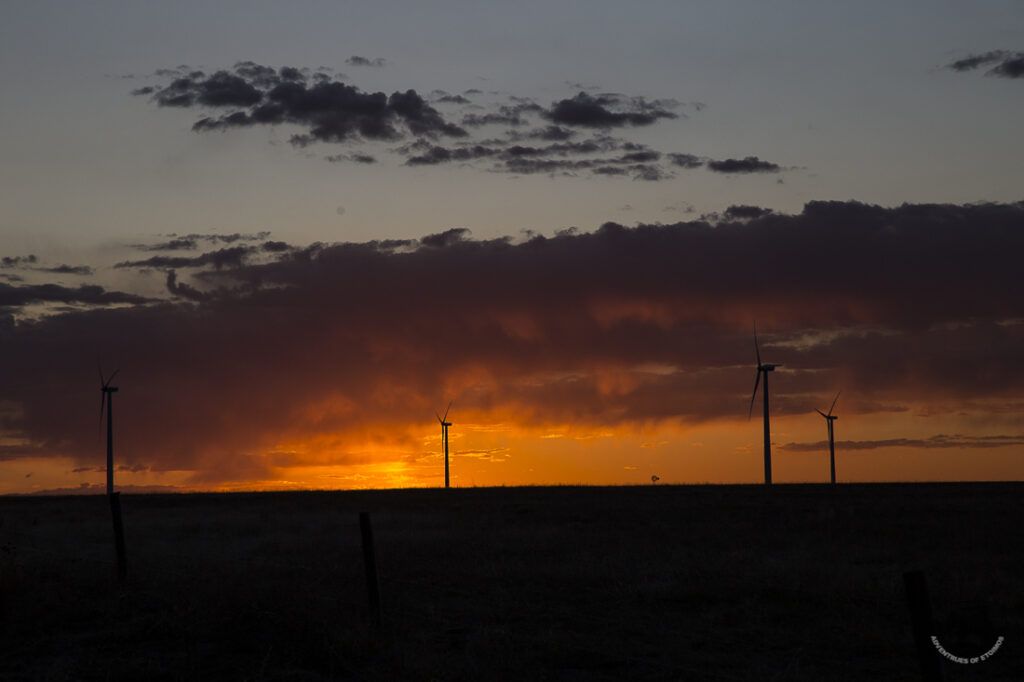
[(499, 452)]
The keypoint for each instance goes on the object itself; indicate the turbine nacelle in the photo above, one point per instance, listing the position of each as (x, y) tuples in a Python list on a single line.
[(442, 419), (829, 416)]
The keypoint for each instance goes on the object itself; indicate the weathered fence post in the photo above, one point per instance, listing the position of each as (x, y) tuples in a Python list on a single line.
[(115, 512), (921, 622), (370, 562)]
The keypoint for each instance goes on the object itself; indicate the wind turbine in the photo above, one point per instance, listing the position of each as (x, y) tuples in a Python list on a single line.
[(829, 418), (444, 440), (763, 368), (107, 402)]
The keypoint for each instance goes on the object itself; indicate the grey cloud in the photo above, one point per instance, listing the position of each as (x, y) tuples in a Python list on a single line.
[(1006, 64), (606, 111), (686, 160), (18, 261), (356, 158), (356, 60), (183, 290), (330, 110), (453, 99), (12, 296), (68, 269), (750, 164), (446, 238), (744, 212), (229, 257)]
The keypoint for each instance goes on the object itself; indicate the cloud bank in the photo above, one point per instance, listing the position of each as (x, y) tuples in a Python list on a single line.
[(304, 354)]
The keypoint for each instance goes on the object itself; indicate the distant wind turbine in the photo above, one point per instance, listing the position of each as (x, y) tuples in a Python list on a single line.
[(107, 402), (444, 440), (829, 418), (763, 368)]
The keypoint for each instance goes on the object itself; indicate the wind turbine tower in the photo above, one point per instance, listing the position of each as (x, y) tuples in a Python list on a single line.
[(107, 402), (444, 440), (829, 419), (763, 368)]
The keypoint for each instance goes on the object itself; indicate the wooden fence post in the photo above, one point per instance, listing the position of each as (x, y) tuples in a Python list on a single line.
[(921, 622), (115, 512), (370, 562)]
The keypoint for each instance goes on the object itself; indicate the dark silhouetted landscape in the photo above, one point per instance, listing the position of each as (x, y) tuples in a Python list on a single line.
[(659, 582)]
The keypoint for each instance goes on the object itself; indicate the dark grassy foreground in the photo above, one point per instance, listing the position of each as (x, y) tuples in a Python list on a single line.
[(570, 583)]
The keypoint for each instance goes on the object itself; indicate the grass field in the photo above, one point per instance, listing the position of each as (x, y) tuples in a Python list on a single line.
[(796, 582)]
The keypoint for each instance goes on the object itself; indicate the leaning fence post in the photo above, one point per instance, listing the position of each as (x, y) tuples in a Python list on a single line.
[(115, 512), (921, 622), (370, 562)]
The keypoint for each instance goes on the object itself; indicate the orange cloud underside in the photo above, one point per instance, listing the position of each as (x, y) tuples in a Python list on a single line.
[(488, 451)]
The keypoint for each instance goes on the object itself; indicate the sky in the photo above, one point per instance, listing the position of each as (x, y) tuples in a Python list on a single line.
[(300, 231)]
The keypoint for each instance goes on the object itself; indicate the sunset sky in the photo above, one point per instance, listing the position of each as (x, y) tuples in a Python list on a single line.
[(298, 230)]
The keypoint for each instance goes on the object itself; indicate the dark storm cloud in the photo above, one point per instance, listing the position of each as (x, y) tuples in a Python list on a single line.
[(356, 60), (750, 164), (1006, 64), (918, 305)]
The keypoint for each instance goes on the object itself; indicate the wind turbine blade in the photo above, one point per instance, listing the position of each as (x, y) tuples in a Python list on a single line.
[(757, 349), (756, 382), (821, 413), (446, 411), (439, 417), (834, 403), (111, 378)]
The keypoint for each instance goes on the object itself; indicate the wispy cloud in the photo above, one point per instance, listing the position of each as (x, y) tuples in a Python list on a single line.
[(935, 442)]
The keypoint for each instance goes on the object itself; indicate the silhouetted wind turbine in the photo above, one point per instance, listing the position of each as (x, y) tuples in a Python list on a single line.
[(763, 368), (107, 401), (829, 418), (444, 440)]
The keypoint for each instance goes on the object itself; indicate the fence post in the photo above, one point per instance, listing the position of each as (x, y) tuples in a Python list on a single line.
[(370, 562), (115, 512), (921, 622)]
